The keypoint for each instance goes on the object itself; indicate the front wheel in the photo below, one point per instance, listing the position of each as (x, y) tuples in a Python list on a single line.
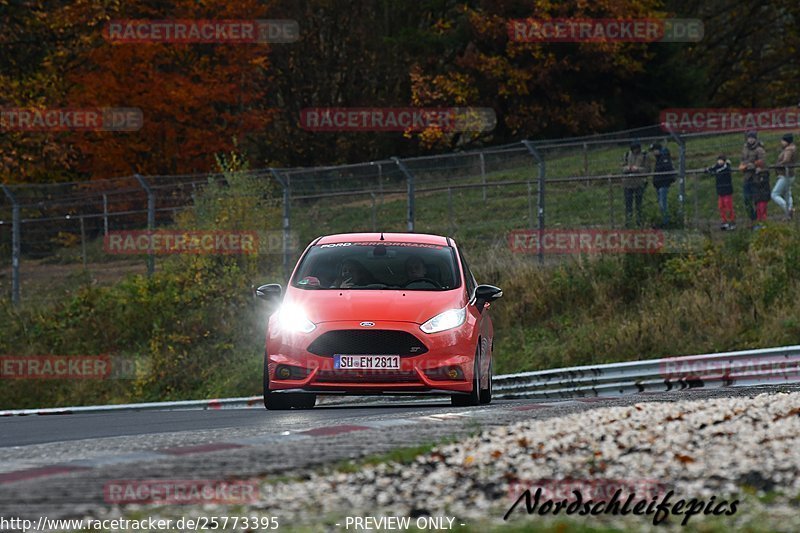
[(276, 402), (486, 394), (474, 397), (283, 401)]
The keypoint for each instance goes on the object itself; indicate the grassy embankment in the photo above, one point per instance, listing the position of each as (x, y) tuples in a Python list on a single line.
[(195, 331)]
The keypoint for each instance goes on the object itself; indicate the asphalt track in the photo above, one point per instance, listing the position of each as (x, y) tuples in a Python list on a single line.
[(58, 465), (26, 430)]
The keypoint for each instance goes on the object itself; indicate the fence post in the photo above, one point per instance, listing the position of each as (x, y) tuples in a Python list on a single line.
[(15, 245), (585, 159), (681, 175), (483, 176), (411, 195), (530, 205), (151, 219), (105, 215), (374, 214), (83, 241), (540, 200), (380, 178), (287, 222)]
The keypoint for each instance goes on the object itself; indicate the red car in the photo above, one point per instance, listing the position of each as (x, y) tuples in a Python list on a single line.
[(379, 313)]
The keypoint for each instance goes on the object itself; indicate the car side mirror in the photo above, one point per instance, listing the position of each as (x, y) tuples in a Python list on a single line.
[(487, 293), (270, 293)]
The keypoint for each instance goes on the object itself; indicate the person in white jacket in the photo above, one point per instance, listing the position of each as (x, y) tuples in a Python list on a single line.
[(782, 193)]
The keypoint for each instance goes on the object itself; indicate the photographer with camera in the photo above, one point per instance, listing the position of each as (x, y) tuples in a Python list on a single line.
[(724, 184)]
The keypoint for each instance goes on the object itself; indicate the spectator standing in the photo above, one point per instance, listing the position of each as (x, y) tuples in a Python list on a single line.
[(761, 191), (663, 178), (724, 183), (753, 151), (782, 193), (634, 162)]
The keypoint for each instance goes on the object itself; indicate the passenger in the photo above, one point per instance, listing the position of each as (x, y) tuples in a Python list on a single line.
[(351, 274)]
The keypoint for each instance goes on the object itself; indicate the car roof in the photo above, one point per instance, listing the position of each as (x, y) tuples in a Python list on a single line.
[(420, 238)]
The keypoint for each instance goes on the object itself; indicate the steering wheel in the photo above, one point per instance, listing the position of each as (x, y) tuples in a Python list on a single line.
[(427, 280)]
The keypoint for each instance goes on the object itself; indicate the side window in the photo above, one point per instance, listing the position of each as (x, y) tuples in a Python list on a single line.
[(469, 279)]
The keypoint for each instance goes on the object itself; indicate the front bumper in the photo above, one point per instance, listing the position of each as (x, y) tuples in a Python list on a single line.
[(446, 367)]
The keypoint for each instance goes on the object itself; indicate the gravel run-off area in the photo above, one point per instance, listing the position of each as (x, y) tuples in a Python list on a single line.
[(710, 453)]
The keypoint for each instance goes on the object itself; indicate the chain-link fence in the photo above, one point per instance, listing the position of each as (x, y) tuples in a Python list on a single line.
[(55, 234)]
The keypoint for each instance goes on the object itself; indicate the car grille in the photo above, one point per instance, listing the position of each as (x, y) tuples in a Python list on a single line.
[(366, 376), (372, 342)]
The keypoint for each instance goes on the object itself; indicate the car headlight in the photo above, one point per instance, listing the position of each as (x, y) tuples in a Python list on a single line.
[(293, 318), (444, 321)]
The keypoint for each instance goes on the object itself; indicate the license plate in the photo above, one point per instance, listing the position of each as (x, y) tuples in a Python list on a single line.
[(366, 362)]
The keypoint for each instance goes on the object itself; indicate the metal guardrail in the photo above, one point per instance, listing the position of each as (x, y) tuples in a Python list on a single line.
[(225, 403), (771, 366)]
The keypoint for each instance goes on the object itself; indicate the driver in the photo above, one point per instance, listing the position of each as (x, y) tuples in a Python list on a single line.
[(415, 268)]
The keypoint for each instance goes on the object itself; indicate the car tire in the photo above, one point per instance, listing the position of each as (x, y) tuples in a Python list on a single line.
[(273, 401), (303, 400), (486, 394), (283, 401), (277, 402), (474, 397)]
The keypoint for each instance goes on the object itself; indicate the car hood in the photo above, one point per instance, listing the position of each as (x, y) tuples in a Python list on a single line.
[(369, 305)]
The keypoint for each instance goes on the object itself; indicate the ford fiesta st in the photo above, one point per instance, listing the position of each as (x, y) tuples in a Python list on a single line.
[(374, 313)]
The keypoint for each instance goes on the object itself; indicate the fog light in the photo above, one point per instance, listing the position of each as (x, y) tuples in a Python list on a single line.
[(454, 373), (291, 372)]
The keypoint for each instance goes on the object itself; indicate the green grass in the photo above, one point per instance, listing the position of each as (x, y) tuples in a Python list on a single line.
[(403, 456)]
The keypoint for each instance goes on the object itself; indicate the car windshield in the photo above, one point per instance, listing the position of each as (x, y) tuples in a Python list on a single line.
[(378, 266)]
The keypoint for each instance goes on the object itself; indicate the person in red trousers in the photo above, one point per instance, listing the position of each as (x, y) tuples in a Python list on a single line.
[(724, 183)]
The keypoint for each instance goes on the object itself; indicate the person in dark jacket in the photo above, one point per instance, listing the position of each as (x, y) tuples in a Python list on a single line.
[(761, 190), (752, 151), (724, 182), (663, 178)]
